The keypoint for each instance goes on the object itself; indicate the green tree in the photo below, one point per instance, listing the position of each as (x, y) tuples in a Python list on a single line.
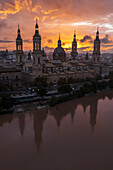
[(41, 84), (71, 81), (61, 81), (64, 89), (3, 88), (111, 83)]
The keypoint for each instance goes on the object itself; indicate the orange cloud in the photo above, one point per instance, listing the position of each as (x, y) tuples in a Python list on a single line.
[(13, 9), (54, 17)]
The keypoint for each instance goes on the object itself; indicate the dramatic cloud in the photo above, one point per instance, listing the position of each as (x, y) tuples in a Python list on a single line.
[(49, 49), (5, 41), (84, 48), (64, 43), (67, 49), (27, 41), (86, 38), (106, 40), (56, 17), (3, 48), (3, 24), (106, 46), (50, 41)]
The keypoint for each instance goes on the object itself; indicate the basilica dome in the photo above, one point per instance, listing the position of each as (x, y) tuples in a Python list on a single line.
[(59, 50), (59, 53)]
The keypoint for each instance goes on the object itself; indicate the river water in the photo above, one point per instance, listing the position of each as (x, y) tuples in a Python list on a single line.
[(75, 135)]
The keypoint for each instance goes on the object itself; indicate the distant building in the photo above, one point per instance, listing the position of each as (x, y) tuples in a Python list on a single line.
[(36, 64), (74, 52), (11, 77)]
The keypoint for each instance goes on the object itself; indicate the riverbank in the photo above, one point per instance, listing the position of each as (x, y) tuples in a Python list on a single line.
[(35, 105), (86, 90)]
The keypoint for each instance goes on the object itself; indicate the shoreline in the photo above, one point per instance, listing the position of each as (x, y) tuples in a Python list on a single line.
[(34, 105)]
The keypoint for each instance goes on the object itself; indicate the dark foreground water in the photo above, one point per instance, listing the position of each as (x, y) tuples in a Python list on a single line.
[(76, 135)]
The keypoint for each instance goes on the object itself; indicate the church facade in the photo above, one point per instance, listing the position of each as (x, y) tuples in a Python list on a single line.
[(60, 67)]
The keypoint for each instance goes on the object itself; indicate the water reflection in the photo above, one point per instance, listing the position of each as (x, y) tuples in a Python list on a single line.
[(38, 121), (21, 121), (58, 112)]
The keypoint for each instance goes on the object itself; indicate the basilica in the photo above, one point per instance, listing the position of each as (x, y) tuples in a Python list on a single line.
[(38, 65)]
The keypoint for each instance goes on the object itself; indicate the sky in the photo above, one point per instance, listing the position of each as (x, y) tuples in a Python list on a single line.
[(54, 17)]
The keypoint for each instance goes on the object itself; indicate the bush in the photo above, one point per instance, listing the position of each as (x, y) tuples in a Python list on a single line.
[(64, 89), (3, 88), (6, 102), (61, 81)]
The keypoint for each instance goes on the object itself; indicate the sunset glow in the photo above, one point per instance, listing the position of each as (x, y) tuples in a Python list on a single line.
[(56, 17)]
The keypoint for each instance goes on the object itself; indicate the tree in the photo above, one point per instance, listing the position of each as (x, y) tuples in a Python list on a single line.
[(6, 102), (65, 89), (3, 88), (111, 75), (41, 91), (41, 84), (111, 83), (61, 81), (71, 81), (41, 81)]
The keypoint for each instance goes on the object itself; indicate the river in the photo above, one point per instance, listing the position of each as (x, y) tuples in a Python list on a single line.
[(75, 135)]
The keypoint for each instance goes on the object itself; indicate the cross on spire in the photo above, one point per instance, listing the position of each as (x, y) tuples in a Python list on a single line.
[(74, 33), (59, 36), (36, 23)]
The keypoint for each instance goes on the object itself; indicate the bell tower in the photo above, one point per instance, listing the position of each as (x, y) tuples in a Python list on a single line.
[(37, 46), (19, 48), (74, 52), (37, 53), (96, 52)]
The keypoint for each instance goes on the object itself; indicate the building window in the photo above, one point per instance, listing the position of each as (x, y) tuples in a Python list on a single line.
[(38, 46), (19, 47), (38, 60), (16, 77), (20, 59)]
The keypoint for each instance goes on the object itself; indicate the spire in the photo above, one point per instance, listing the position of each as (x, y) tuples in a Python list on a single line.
[(59, 36), (97, 34), (18, 32), (36, 23), (74, 34), (18, 29), (36, 27), (98, 29), (74, 40), (59, 41)]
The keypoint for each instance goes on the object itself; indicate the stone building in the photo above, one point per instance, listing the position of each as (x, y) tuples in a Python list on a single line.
[(74, 52), (10, 77), (59, 67), (36, 63)]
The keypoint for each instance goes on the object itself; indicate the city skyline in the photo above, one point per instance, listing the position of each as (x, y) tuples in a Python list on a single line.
[(55, 18)]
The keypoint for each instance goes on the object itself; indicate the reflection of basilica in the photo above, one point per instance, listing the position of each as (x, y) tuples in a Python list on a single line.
[(38, 120), (21, 121), (93, 112), (58, 112), (70, 108)]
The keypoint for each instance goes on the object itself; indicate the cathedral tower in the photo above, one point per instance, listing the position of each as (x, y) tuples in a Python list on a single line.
[(96, 52), (19, 48), (37, 46), (37, 53), (74, 52)]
